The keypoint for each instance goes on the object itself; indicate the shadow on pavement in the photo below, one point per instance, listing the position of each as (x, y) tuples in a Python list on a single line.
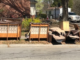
[(5, 39), (54, 42), (70, 41)]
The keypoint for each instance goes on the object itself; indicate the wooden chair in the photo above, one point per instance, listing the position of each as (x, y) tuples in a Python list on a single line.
[(38, 31), (75, 34), (76, 26), (56, 34)]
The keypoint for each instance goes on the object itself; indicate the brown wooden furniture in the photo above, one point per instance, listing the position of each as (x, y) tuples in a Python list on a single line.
[(38, 31), (75, 33), (76, 26), (57, 34), (10, 28)]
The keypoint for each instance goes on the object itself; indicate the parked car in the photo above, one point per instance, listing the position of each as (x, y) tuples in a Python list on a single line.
[(72, 17)]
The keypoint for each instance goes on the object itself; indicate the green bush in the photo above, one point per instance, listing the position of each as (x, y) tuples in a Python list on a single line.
[(37, 20), (26, 22), (43, 15)]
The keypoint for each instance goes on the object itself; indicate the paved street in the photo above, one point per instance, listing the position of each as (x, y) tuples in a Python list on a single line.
[(78, 23), (40, 53)]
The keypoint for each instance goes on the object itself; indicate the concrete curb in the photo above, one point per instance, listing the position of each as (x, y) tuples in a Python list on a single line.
[(38, 45), (3, 45)]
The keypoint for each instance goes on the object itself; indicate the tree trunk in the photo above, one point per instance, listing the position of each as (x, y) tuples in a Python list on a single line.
[(65, 10)]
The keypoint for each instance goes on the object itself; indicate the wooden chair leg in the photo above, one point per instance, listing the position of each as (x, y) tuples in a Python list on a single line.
[(50, 38)]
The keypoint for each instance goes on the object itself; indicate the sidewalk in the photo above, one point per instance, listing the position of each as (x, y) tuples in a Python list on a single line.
[(23, 45), (39, 45)]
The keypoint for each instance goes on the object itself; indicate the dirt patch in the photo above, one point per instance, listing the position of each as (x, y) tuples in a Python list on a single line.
[(23, 42)]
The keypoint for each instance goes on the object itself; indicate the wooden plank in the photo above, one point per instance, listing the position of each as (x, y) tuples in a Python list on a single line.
[(34, 36), (7, 31), (20, 30), (47, 33), (39, 25), (17, 31), (9, 24), (34, 25), (9, 35), (3, 34), (30, 34), (39, 33), (14, 35), (44, 25), (43, 36), (50, 38)]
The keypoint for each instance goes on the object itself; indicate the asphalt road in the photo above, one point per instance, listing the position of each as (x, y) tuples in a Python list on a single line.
[(78, 23), (40, 53)]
